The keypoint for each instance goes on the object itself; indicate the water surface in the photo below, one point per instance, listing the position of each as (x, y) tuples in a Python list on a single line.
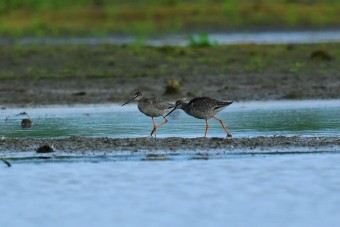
[(198, 188), (243, 190), (244, 119), (261, 37)]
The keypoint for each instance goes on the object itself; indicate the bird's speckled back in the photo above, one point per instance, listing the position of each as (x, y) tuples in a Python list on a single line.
[(153, 107), (204, 107)]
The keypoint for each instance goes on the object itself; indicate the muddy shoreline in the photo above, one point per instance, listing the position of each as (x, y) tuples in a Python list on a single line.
[(87, 144), (68, 75), (106, 90), (73, 74)]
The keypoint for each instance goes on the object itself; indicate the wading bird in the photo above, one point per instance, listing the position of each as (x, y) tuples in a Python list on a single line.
[(203, 108), (152, 107)]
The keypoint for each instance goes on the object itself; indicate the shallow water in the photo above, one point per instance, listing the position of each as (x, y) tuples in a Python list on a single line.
[(242, 190), (244, 119), (267, 37), (214, 188)]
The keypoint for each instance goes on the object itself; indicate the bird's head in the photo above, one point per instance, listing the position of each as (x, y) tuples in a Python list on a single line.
[(136, 96), (178, 105)]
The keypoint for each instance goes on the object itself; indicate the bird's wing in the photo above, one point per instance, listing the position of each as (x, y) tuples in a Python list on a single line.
[(200, 104), (160, 104), (221, 104)]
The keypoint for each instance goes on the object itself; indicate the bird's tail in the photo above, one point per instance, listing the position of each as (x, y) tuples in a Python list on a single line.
[(224, 103)]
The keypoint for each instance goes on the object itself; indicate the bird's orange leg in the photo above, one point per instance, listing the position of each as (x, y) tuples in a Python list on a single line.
[(165, 121), (154, 127), (225, 129), (206, 128), (157, 126)]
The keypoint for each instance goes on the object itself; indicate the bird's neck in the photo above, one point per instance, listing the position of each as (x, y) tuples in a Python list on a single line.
[(141, 99), (184, 106)]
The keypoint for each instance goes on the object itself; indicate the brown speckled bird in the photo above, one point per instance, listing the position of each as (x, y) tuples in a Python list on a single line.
[(203, 108), (152, 107)]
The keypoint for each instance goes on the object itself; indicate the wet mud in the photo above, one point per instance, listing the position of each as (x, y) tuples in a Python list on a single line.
[(49, 75), (105, 90), (86, 144)]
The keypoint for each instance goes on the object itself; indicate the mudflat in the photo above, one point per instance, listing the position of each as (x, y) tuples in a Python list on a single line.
[(84, 74), (86, 144)]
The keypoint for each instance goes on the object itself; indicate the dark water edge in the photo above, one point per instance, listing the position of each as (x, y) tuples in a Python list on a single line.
[(87, 144)]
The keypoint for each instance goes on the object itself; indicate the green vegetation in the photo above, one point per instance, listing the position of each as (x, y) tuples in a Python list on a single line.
[(202, 40), (111, 61), (100, 17)]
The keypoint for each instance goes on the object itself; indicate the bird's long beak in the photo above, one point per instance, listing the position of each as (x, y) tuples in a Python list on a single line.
[(130, 100), (171, 111)]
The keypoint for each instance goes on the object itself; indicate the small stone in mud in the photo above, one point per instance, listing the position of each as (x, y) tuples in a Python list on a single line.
[(22, 113), (45, 149), (81, 93), (26, 123), (173, 87), (292, 95)]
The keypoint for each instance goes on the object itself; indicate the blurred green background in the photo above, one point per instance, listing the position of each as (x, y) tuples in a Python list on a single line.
[(101, 17)]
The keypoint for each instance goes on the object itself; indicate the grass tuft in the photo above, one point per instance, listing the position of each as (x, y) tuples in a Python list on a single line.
[(202, 40)]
